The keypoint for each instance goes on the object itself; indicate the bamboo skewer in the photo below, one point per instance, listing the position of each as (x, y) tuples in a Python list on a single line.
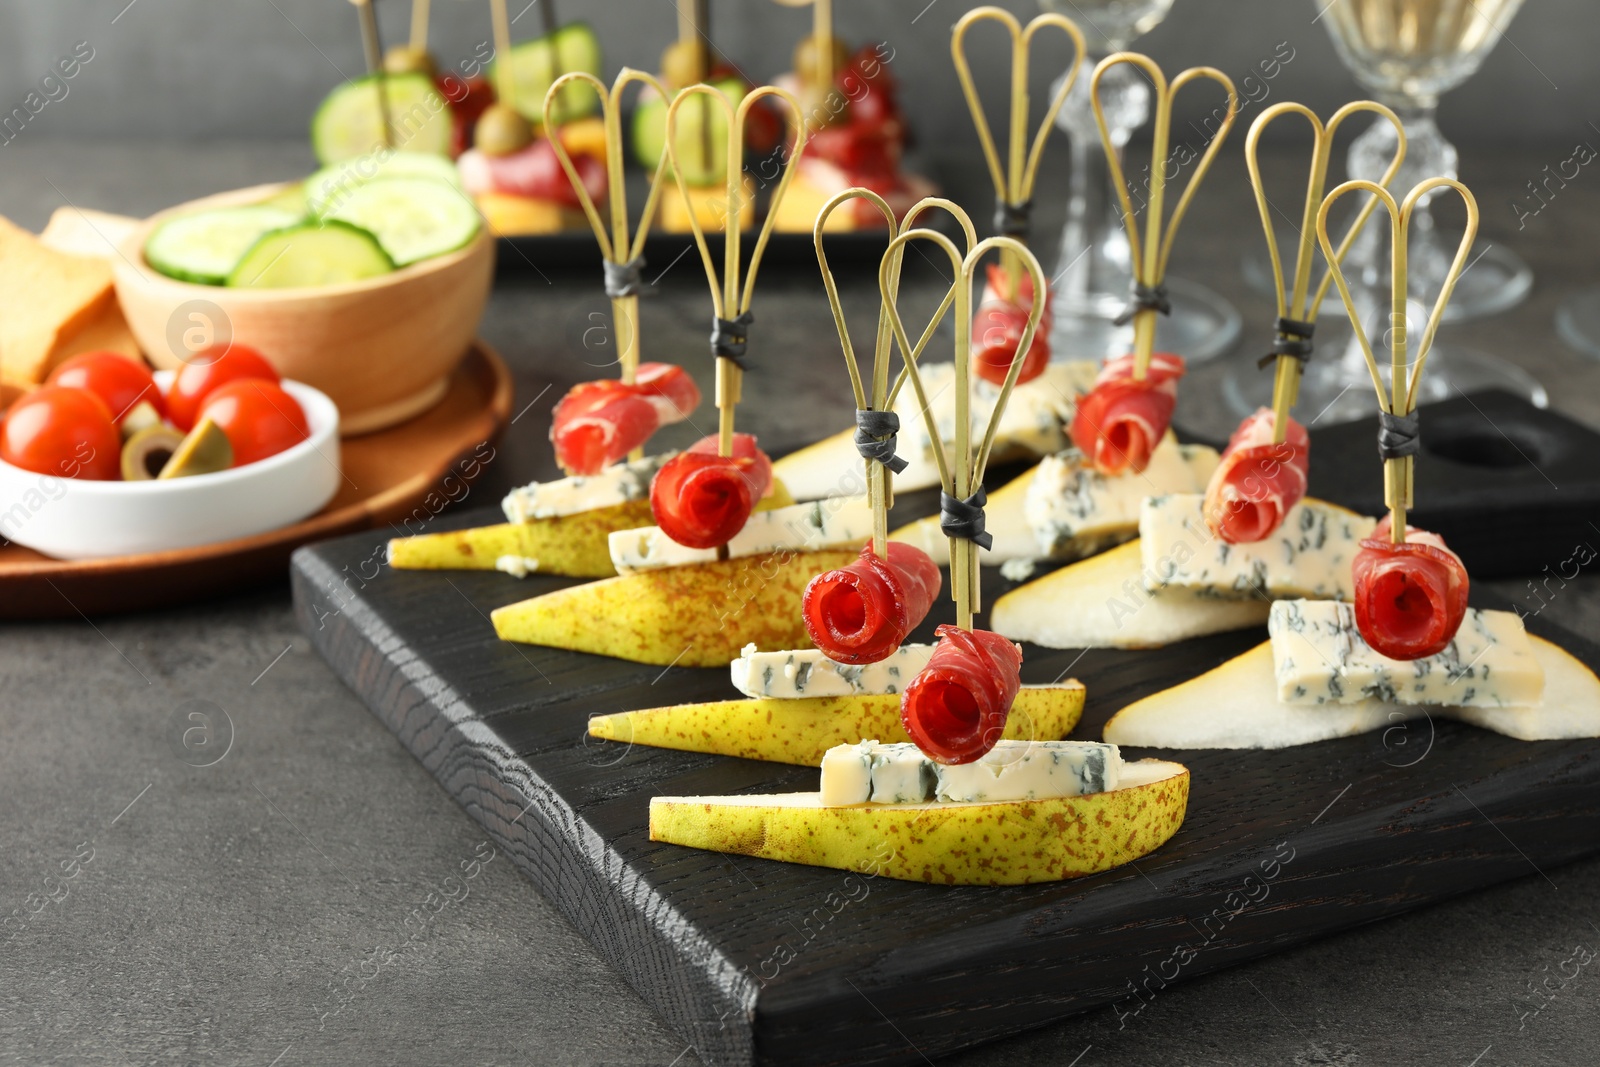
[(505, 85), (1014, 178), (419, 25), (1400, 396), (963, 477), (1292, 301), (730, 300), (372, 49), (1150, 260)]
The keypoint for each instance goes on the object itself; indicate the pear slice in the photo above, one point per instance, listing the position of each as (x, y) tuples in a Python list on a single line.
[(206, 450), (576, 545), (698, 615), (147, 451), (800, 730), (1011, 842)]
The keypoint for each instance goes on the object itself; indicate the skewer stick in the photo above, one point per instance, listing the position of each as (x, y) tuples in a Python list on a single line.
[(505, 85), (419, 25), (730, 299), (1400, 395), (1292, 299), (372, 48), (1150, 261), (1014, 179)]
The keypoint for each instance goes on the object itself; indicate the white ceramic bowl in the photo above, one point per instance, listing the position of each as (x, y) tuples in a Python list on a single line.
[(71, 518)]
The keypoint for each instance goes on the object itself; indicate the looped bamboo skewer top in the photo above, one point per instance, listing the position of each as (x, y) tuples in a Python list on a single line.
[(961, 479), (1150, 256), (1293, 304), (730, 299), (1398, 400), (1014, 177)]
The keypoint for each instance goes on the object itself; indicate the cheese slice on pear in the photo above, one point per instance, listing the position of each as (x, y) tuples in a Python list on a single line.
[(800, 730), (1003, 518), (576, 545), (1101, 602), (1236, 705), (695, 616), (1010, 842)]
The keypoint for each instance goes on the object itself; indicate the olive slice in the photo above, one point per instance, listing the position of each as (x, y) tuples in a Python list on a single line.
[(205, 451), (147, 451)]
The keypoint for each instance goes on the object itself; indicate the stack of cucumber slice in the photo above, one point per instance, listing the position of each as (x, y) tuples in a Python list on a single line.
[(356, 219)]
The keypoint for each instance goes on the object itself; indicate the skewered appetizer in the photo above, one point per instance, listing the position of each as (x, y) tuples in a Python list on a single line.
[(961, 805), (1408, 645)]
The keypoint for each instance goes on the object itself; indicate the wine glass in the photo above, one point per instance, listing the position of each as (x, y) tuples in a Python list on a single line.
[(1578, 322), (1095, 271), (1406, 53)]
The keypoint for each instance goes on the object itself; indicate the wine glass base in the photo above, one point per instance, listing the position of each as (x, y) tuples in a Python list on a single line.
[(1332, 391), (1578, 322), (1201, 327)]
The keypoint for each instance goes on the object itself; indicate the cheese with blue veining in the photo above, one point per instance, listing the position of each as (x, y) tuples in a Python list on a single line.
[(871, 772), (616, 484), (1074, 509), (808, 672), (833, 523)]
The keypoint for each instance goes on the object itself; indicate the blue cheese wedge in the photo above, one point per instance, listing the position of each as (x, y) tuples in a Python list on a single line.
[(617, 484), (516, 566), (874, 773), (1308, 556), (806, 672), (809, 527), (1070, 505), (1319, 657)]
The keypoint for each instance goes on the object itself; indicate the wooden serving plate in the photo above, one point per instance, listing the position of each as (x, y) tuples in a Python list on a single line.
[(388, 478)]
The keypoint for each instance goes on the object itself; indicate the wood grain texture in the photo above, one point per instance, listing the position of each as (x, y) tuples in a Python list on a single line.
[(765, 962)]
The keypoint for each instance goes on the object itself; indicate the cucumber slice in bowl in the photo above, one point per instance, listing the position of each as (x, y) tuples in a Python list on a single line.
[(413, 218), (536, 64), (325, 189), (205, 246), (311, 254), (349, 123)]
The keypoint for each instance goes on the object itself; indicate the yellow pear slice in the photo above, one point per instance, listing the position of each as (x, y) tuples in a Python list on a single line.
[(205, 450), (571, 545), (1101, 602), (1571, 706), (800, 730), (700, 615), (1010, 842)]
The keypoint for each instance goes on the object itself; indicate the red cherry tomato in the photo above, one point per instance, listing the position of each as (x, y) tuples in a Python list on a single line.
[(209, 369), (62, 431), (259, 418), (117, 380)]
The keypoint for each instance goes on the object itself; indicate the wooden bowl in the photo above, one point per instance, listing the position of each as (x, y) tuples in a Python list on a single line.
[(382, 348)]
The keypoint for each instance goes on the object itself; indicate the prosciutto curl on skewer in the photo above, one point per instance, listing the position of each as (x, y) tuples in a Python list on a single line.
[(597, 423), (1122, 419), (701, 499), (863, 612), (1410, 597), (956, 708), (1258, 480), (997, 329)]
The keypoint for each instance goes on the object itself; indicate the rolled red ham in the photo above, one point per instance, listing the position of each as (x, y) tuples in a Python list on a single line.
[(597, 423), (997, 329), (1122, 419), (1410, 598), (863, 612), (701, 499), (669, 388), (534, 172), (1257, 481), (956, 708)]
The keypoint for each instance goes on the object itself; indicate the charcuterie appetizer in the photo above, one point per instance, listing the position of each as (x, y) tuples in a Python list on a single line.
[(1408, 645), (799, 703), (599, 427), (959, 804)]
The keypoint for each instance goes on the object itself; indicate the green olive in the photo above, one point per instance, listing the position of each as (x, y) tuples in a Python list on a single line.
[(146, 452), (205, 450), (682, 63), (502, 131), (807, 53), (403, 59)]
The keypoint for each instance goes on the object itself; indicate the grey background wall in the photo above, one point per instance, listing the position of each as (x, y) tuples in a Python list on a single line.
[(209, 69)]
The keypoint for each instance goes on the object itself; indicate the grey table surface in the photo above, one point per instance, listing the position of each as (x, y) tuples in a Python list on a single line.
[(214, 910)]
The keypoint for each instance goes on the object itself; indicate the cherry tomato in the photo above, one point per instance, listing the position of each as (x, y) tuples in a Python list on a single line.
[(62, 431), (210, 368), (117, 380), (259, 418)]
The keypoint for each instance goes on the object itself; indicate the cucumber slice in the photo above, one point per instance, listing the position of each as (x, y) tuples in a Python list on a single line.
[(536, 64), (205, 246), (292, 198), (349, 124), (309, 255), (695, 116), (413, 218), (325, 189)]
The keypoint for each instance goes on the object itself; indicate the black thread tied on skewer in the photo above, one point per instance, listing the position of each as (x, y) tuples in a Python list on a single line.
[(1293, 340), (964, 518), (1398, 435), (1012, 220), (1145, 298), (875, 438), (731, 337), (624, 279)]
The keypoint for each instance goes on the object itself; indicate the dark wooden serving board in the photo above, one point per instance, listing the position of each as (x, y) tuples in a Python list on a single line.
[(757, 961)]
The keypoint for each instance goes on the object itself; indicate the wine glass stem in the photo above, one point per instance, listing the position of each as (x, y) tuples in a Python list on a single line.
[(1094, 272)]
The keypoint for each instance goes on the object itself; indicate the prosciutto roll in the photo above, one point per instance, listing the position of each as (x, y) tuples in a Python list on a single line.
[(1122, 419), (701, 499), (863, 612), (1410, 598), (1257, 481), (956, 708), (997, 329), (597, 423)]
